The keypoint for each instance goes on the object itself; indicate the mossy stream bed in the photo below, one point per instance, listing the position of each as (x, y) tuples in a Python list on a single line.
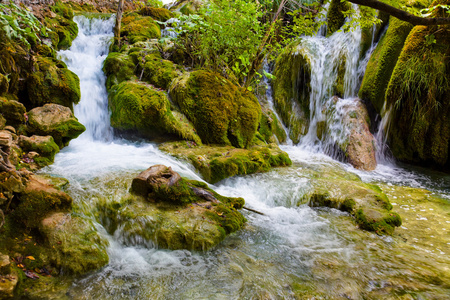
[(292, 252)]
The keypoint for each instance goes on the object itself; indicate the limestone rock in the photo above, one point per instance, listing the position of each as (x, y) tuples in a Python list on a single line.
[(57, 121), (361, 143), (8, 284), (76, 246), (158, 176), (5, 264)]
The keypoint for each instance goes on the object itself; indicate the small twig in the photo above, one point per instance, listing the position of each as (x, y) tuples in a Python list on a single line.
[(7, 206), (255, 211)]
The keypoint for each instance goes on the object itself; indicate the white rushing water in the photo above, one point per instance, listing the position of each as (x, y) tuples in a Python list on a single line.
[(285, 239)]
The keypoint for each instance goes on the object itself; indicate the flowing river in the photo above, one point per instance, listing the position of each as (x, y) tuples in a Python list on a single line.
[(293, 252)]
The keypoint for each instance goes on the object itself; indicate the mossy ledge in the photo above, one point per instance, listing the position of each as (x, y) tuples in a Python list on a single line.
[(216, 163)]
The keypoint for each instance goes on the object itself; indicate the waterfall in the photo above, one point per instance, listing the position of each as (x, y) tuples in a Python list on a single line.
[(85, 58), (325, 56)]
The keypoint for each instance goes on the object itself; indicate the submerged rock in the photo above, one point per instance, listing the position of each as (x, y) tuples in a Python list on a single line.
[(168, 211), (57, 121), (366, 202), (216, 163)]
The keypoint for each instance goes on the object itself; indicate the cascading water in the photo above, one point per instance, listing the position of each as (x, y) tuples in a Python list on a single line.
[(290, 252)]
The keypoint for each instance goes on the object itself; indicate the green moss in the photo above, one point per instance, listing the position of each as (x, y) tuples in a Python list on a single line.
[(138, 29), (36, 202), (382, 63), (45, 146), (62, 9), (270, 126), (52, 82), (195, 224), (339, 85), (139, 107), (158, 71), (217, 163), (221, 112), (335, 16), (4, 84), (118, 67), (373, 220), (291, 91), (160, 14), (419, 96), (12, 111)]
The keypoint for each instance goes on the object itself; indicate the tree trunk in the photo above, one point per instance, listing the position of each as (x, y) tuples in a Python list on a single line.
[(118, 22), (401, 14)]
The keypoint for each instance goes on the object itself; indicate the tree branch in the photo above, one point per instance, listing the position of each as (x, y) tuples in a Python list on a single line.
[(401, 14)]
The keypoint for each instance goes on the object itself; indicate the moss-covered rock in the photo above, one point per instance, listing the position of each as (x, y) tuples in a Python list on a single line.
[(370, 206), (37, 201), (291, 91), (118, 67), (57, 121), (52, 82), (216, 163), (335, 16), (141, 108), (221, 112), (45, 146), (187, 7), (157, 13), (198, 220), (138, 28), (77, 248), (270, 128), (13, 111), (157, 71), (4, 84), (382, 63), (418, 95)]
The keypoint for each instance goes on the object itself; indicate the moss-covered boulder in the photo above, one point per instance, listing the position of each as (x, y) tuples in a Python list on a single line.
[(13, 111), (382, 63), (335, 16), (173, 213), (367, 203), (45, 146), (418, 96), (216, 163), (77, 247), (157, 13), (57, 121), (52, 82), (140, 108), (137, 28), (270, 128), (37, 201), (221, 112), (291, 91), (118, 67), (157, 71), (187, 7)]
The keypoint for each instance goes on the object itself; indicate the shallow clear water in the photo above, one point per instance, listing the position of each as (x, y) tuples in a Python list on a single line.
[(292, 251)]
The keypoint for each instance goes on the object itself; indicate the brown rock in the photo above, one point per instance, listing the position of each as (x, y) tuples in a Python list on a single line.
[(155, 176)]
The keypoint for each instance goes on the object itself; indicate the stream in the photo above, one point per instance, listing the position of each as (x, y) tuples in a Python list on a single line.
[(292, 252)]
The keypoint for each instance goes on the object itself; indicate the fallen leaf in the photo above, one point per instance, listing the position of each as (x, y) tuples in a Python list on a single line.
[(30, 258)]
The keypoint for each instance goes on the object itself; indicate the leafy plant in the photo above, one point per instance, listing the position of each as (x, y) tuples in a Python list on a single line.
[(20, 24)]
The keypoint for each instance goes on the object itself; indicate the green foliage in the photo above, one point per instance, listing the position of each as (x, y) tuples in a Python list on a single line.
[(225, 38), (21, 25)]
